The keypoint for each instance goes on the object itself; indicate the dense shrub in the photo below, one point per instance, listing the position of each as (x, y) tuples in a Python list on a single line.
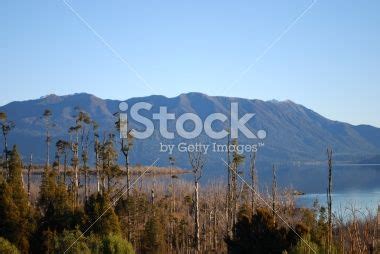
[(115, 244), (71, 239), (258, 234), (7, 247)]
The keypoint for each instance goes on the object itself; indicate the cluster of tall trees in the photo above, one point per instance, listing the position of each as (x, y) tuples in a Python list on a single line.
[(64, 209), (88, 203)]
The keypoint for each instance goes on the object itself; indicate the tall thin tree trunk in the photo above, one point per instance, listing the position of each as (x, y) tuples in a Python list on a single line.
[(234, 196), (29, 169), (126, 156), (76, 192), (65, 168), (329, 202), (85, 180), (153, 190), (253, 181), (228, 201), (196, 217), (172, 189), (108, 183), (125, 150), (47, 149), (6, 154), (214, 238), (76, 177), (274, 190), (128, 174), (197, 161), (58, 167), (97, 170)]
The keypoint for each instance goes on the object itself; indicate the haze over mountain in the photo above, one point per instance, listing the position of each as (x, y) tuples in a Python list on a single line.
[(294, 132)]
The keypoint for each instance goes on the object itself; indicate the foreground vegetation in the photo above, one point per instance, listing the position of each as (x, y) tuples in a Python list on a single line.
[(150, 214)]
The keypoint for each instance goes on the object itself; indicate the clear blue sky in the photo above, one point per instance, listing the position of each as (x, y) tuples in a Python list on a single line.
[(328, 61)]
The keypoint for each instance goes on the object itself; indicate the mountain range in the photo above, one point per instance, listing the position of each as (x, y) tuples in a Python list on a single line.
[(295, 134)]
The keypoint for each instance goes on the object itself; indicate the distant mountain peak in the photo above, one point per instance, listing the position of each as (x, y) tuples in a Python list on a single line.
[(51, 99), (52, 95), (194, 94)]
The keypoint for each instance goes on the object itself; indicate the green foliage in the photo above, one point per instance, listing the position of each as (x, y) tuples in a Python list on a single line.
[(5, 125), (130, 210), (99, 206), (55, 204), (16, 215), (108, 157), (52, 194), (71, 239), (308, 247), (62, 146), (115, 244), (318, 233), (57, 213), (7, 247), (94, 243), (154, 237), (110, 244)]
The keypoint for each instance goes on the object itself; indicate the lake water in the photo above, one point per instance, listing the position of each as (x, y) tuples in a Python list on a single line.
[(344, 202), (353, 185), (357, 185)]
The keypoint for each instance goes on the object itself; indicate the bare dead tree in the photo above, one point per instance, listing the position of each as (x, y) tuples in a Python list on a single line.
[(216, 193), (153, 189), (237, 160), (253, 173), (172, 176), (126, 144), (358, 232), (229, 195), (172, 205), (97, 153), (329, 201), (48, 125), (74, 144), (197, 161), (29, 172), (84, 120), (274, 193)]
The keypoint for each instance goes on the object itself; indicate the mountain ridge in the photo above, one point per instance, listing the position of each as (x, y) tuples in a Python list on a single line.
[(295, 133)]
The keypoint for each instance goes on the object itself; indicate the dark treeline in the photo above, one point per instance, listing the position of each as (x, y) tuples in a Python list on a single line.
[(121, 212)]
